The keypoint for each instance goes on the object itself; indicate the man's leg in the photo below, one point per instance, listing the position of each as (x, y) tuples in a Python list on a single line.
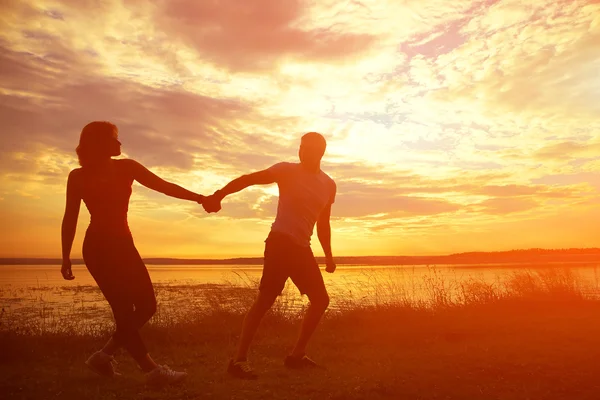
[(111, 347), (308, 278), (264, 301), (318, 304), (275, 274)]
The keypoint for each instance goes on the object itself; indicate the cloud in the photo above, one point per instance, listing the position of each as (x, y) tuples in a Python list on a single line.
[(444, 120), (160, 126), (526, 57), (539, 191), (503, 206), (255, 35), (355, 206), (568, 150)]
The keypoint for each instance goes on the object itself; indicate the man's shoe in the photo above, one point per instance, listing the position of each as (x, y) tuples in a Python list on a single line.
[(299, 362), (162, 375), (102, 364), (241, 370)]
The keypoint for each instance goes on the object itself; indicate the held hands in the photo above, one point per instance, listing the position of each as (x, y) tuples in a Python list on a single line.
[(330, 265), (212, 204), (66, 270)]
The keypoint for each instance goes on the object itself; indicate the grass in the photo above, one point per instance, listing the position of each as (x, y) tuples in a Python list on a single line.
[(531, 335)]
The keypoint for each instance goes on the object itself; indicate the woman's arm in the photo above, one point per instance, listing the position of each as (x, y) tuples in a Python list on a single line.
[(69, 223), (154, 182)]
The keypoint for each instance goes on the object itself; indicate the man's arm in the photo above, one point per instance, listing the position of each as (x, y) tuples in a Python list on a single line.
[(264, 177), (324, 231), (324, 234)]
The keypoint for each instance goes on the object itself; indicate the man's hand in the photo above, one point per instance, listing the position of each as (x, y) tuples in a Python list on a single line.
[(212, 204), (66, 270), (330, 265)]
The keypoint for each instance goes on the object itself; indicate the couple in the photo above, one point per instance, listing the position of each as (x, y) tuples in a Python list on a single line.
[(104, 184)]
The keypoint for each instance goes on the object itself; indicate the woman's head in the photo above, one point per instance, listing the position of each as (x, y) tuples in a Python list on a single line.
[(98, 142)]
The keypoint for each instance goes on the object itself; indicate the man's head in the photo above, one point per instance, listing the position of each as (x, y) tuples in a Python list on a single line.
[(312, 149)]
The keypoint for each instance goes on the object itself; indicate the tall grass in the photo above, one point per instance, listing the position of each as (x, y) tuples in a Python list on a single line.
[(82, 310)]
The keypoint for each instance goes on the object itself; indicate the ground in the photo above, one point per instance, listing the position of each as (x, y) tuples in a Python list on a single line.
[(521, 349)]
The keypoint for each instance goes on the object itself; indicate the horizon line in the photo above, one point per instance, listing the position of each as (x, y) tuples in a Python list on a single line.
[(479, 252)]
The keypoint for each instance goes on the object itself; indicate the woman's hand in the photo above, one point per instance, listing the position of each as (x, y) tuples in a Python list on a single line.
[(66, 270)]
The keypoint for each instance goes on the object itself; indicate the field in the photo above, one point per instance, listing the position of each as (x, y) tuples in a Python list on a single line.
[(534, 336)]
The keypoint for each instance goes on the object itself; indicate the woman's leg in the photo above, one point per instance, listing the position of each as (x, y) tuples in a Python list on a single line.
[(144, 300), (141, 304), (98, 256), (109, 261), (142, 291)]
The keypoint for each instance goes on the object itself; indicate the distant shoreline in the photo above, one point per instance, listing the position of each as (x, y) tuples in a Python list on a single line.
[(531, 256)]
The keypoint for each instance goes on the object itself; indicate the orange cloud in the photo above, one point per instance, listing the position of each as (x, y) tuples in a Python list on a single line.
[(254, 36)]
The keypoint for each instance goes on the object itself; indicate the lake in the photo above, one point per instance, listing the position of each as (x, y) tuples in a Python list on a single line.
[(38, 293)]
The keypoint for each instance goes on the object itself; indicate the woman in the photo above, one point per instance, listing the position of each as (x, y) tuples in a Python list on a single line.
[(104, 184)]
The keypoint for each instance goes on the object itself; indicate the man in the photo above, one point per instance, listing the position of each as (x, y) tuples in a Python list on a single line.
[(305, 197)]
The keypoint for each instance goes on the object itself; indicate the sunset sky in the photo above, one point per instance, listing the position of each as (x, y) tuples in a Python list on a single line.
[(451, 125)]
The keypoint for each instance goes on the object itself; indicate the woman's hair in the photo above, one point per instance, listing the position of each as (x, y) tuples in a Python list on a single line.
[(94, 142)]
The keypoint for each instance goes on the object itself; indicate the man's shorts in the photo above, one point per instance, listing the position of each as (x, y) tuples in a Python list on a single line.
[(285, 259)]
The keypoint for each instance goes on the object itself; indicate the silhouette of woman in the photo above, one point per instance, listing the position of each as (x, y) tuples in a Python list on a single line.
[(104, 184)]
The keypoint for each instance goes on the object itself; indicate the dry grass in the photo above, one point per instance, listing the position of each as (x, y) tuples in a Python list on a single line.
[(529, 335), (81, 310)]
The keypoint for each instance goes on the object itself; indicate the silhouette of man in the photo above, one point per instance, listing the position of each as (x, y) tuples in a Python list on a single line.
[(306, 194)]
